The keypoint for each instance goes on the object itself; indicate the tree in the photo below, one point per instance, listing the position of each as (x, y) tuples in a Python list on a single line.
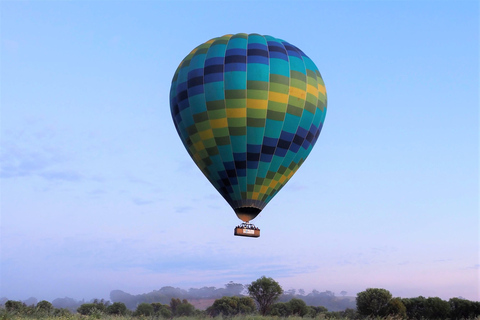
[(161, 310), (463, 309), (234, 289), (144, 309), (265, 291), (117, 308), (313, 311), (396, 307), (181, 307), (230, 306), (280, 309), (343, 293), (91, 308), (61, 313), (14, 306), (436, 308), (373, 302), (185, 309), (298, 307), (44, 307)]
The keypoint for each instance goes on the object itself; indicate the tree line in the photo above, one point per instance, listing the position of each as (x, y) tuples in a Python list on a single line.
[(264, 299)]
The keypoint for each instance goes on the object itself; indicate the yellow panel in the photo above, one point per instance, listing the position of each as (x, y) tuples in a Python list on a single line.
[(206, 134), (219, 123), (312, 90), (298, 93), (255, 195), (199, 145), (282, 179), (322, 88), (278, 97), (263, 189), (257, 104), (236, 112)]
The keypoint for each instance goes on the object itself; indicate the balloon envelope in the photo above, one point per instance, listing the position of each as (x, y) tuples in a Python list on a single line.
[(248, 108)]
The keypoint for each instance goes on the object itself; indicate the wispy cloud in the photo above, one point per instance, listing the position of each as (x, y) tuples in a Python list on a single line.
[(142, 202), (59, 175), (183, 209)]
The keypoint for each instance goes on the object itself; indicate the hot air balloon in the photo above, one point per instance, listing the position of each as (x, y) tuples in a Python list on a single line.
[(248, 109)]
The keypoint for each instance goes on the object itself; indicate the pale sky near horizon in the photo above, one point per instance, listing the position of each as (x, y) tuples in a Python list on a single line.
[(98, 193)]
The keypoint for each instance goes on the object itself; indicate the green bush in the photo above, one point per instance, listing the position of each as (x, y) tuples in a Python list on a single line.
[(144, 309), (117, 308), (14, 306), (230, 306), (88, 309)]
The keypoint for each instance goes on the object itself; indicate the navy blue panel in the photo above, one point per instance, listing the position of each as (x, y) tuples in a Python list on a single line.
[(310, 137), (278, 55), (213, 77), (254, 148), (302, 132), (286, 136), (229, 165), (257, 52), (236, 67), (298, 140), (292, 51), (242, 172), (253, 156), (235, 59), (271, 142), (182, 95), (281, 152), (214, 60), (175, 109), (195, 90), (317, 134), (276, 47), (294, 147), (222, 174), (214, 68), (284, 144), (239, 156), (195, 73), (266, 157), (232, 174), (268, 149), (252, 164), (258, 59), (224, 182), (195, 81)]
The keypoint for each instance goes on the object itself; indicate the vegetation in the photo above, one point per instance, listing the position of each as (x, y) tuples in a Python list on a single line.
[(373, 303), (231, 306), (265, 291)]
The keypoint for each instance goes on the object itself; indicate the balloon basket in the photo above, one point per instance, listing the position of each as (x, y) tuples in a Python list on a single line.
[(247, 230)]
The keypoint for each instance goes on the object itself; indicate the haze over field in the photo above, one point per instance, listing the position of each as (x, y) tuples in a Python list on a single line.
[(98, 193)]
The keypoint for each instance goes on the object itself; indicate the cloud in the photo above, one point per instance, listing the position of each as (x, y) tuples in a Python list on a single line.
[(142, 202), (59, 175), (183, 209)]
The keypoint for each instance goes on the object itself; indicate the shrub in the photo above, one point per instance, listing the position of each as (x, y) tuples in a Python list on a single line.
[(144, 309), (117, 308)]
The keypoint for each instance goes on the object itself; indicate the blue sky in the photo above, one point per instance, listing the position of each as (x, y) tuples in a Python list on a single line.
[(98, 193)]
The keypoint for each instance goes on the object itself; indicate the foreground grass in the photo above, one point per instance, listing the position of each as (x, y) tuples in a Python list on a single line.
[(77, 316), (129, 317)]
